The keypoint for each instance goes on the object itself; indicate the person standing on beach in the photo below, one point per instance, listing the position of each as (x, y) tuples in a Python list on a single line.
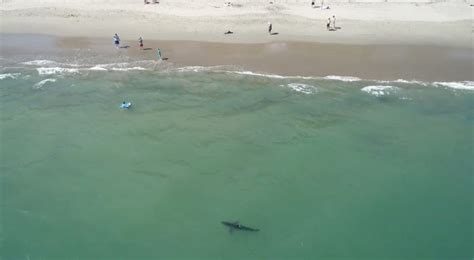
[(158, 53), (328, 24), (334, 22), (269, 28), (140, 42), (116, 41)]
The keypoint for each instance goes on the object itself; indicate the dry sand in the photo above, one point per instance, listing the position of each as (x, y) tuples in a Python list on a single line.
[(443, 23)]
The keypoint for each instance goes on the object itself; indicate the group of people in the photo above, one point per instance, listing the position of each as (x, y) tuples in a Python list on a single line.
[(331, 23), (322, 6), (116, 39)]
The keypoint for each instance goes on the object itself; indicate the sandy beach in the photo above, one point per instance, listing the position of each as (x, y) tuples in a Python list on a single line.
[(417, 23), (411, 40)]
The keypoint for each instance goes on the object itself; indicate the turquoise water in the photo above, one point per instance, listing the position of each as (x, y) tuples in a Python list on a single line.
[(322, 168)]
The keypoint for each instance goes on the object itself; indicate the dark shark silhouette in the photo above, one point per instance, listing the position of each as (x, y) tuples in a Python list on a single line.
[(237, 226)]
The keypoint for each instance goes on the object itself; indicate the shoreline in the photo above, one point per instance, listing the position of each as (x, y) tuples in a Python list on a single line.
[(372, 62)]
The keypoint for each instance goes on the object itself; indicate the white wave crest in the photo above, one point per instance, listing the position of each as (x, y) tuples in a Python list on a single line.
[(9, 76), (50, 63), (343, 78), (98, 68), (250, 73), (378, 91), (128, 69), (55, 70), (194, 69), (125, 66), (41, 83), (39, 62), (404, 81), (468, 85), (303, 88), (275, 76)]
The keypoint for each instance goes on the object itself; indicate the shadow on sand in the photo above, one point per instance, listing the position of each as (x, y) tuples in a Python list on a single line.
[(335, 29)]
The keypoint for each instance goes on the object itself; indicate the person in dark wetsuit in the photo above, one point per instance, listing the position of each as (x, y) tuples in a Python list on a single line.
[(116, 40), (140, 42)]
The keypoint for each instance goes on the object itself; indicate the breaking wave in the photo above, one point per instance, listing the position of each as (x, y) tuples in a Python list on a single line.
[(50, 67), (55, 70), (302, 88), (9, 76), (467, 85), (42, 83), (379, 91)]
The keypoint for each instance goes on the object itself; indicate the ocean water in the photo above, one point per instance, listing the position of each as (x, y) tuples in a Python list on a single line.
[(330, 167)]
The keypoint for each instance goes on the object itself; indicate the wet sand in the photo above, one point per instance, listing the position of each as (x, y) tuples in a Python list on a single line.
[(383, 62)]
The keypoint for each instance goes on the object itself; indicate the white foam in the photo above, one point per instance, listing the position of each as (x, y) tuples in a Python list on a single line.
[(343, 78), (410, 82), (55, 70), (303, 88), (49, 62), (39, 62), (58, 68), (41, 83), (124, 66), (468, 85), (98, 68), (9, 76), (193, 69), (128, 69), (250, 73), (378, 91)]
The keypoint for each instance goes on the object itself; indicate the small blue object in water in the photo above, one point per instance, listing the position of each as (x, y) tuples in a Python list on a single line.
[(125, 105)]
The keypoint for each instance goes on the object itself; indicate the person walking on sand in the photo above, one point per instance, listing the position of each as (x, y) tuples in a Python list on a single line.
[(269, 28), (116, 41), (334, 22), (140, 42), (328, 24)]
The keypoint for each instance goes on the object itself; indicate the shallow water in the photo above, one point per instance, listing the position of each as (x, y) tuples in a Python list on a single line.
[(323, 167)]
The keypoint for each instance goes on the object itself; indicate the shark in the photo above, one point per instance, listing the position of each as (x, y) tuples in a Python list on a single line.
[(237, 226)]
